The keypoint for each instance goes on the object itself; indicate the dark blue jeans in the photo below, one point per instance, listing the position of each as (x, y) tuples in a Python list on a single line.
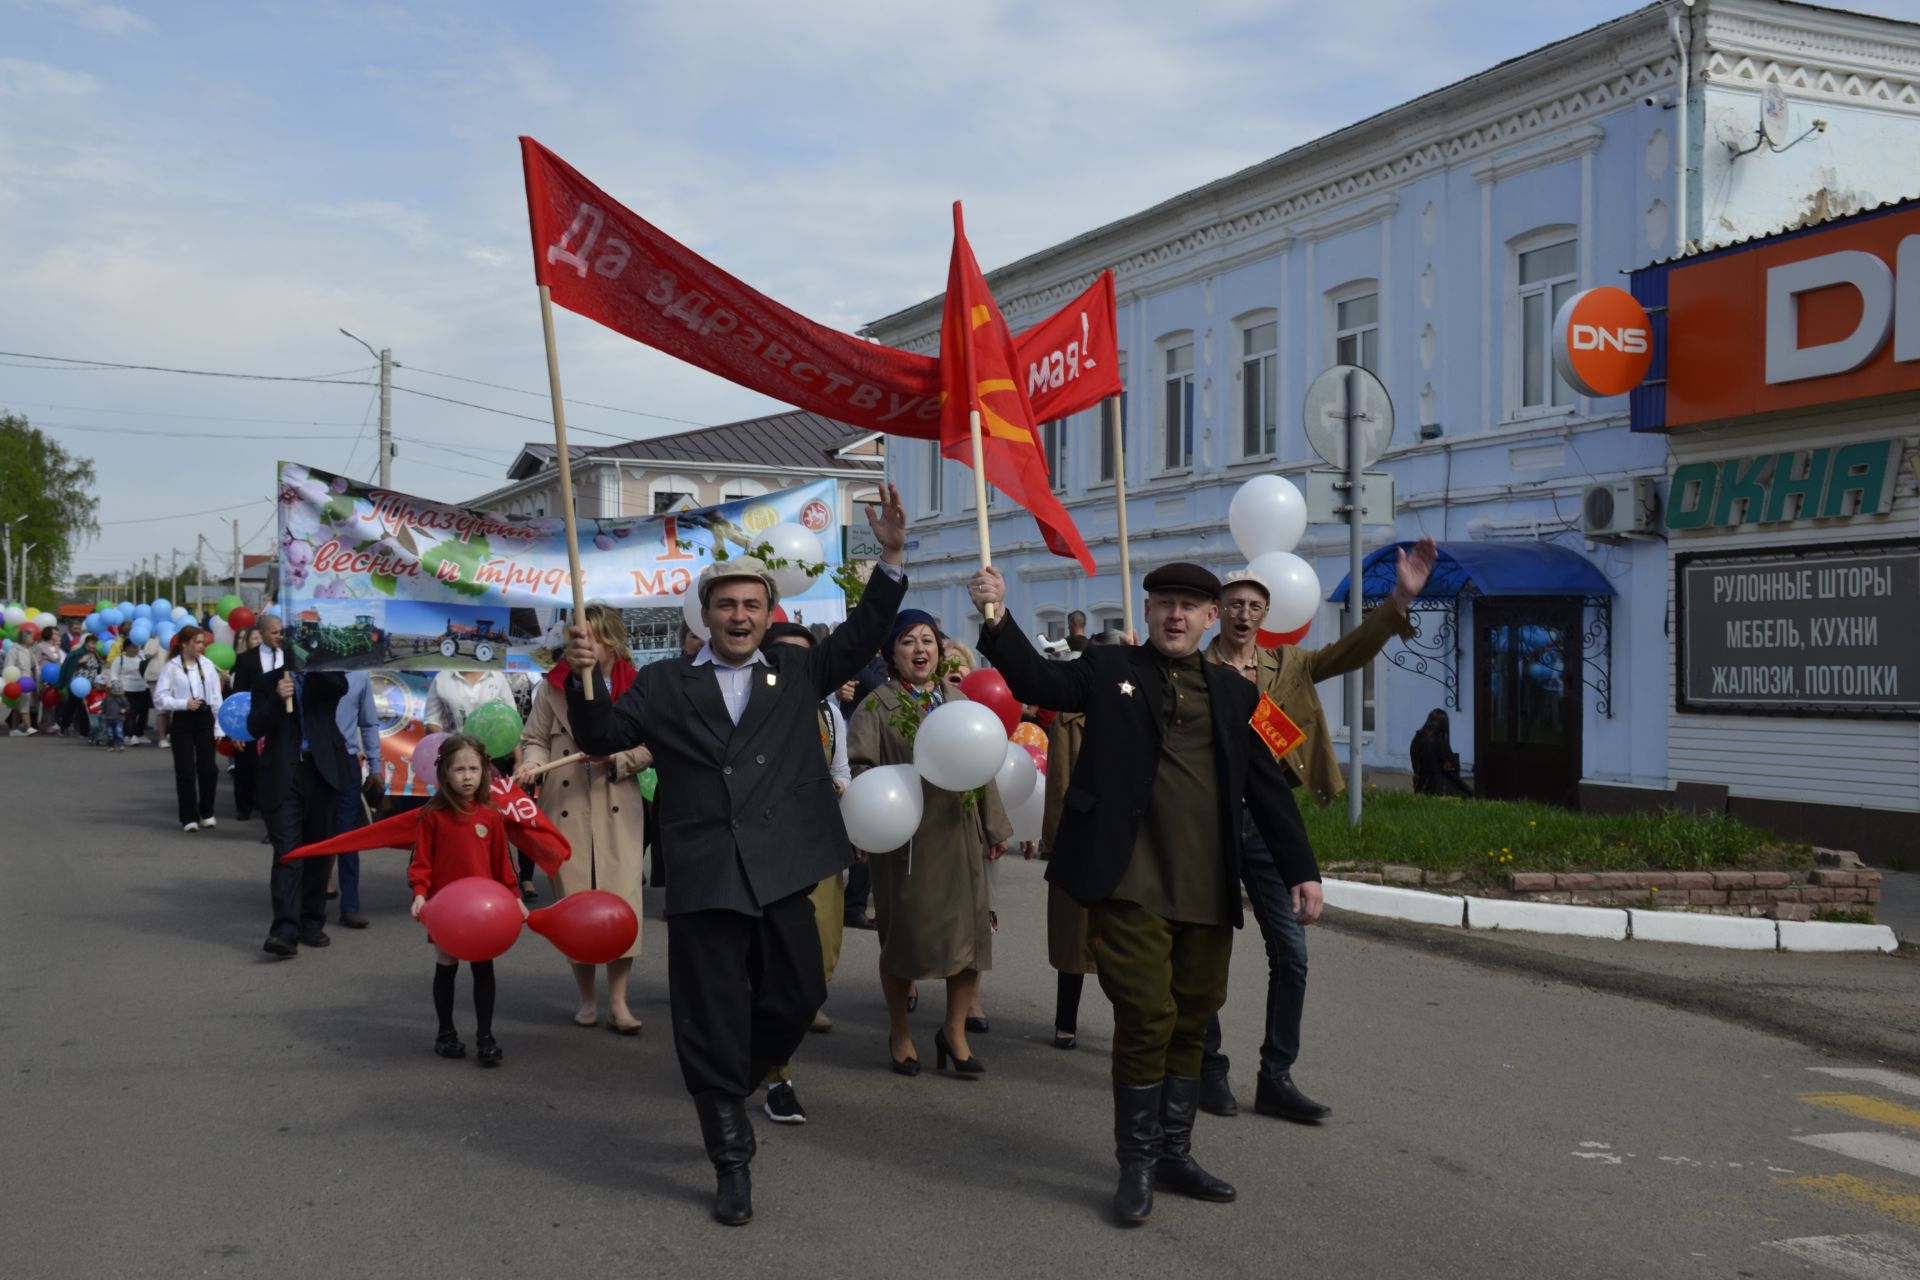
[(349, 863), (1286, 939)]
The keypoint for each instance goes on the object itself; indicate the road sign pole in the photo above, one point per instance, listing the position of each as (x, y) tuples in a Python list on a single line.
[(1356, 680)]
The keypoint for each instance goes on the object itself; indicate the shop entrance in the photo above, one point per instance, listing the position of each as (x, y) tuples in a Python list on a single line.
[(1526, 699)]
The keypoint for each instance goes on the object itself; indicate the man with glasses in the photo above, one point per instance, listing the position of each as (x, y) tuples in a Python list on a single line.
[(1288, 675)]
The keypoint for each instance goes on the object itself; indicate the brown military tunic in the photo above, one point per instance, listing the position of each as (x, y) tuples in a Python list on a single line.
[(1177, 871)]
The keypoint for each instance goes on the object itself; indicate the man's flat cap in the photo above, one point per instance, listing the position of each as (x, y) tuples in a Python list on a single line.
[(1184, 576)]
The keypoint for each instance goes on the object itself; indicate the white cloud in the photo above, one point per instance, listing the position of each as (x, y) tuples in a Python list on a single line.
[(20, 78), (107, 19)]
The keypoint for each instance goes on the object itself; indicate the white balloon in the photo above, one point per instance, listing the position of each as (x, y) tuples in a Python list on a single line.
[(882, 808), (1028, 816), (1016, 775), (1294, 586), (1267, 514), (45, 620), (960, 746), (222, 633), (690, 610), (180, 612), (14, 615), (798, 545)]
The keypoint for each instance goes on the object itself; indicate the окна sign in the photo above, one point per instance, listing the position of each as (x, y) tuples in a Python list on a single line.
[(1602, 343), (1801, 631), (1769, 488)]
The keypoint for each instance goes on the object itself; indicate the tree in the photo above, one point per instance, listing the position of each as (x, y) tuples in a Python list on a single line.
[(51, 492)]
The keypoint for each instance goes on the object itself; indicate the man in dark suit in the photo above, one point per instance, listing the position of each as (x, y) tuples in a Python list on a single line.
[(298, 779), (751, 822), (264, 659), (1149, 842)]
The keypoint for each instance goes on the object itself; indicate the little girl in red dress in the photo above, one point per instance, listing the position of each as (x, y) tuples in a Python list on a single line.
[(461, 834)]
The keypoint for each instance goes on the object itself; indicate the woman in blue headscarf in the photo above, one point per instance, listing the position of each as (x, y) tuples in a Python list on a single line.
[(930, 896)]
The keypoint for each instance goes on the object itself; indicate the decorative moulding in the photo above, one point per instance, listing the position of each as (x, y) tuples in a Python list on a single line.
[(1577, 142)]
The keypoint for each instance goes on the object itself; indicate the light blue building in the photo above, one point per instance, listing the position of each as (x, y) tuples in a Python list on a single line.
[(1433, 244)]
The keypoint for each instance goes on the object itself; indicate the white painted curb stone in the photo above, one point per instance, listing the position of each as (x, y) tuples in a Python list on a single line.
[(1738, 932), (1395, 903), (1547, 917), (1820, 935)]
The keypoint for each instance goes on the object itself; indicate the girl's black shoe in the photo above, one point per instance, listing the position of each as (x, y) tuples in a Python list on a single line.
[(943, 1051), (487, 1051), (902, 1066), (447, 1045)]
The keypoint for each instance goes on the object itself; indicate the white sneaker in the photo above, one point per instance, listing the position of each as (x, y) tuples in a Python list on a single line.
[(165, 743), (209, 823), (29, 731), (191, 826)]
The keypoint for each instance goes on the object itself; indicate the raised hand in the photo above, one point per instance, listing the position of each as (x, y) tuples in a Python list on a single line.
[(1411, 571), (987, 588), (889, 523)]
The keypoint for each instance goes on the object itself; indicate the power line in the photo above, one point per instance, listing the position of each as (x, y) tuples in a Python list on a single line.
[(331, 378), (547, 395), (185, 515), (180, 435), (191, 417), (364, 419)]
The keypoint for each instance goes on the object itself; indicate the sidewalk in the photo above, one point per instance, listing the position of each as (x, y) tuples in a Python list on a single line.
[(1854, 1005), (1899, 906)]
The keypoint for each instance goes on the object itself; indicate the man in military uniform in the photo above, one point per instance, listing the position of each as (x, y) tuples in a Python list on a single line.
[(1149, 842), (1288, 676)]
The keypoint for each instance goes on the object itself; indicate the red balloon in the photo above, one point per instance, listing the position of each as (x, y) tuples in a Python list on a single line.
[(12, 689), (779, 615), (589, 927), (1274, 639), (1039, 755), (473, 919), (989, 688), (28, 633), (241, 618), (50, 696), (225, 746)]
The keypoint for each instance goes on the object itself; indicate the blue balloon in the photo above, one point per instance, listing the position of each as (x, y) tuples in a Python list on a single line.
[(140, 632), (126, 607), (142, 611), (80, 687), (165, 632), (91, 623), (162, 608), (233, 716), (112, 618), (28, 684), (49, 673)]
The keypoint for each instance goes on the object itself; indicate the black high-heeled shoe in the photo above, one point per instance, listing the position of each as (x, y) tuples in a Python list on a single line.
[(978, 1026), (1064, 1039), (943, 1052), (902, 1066)]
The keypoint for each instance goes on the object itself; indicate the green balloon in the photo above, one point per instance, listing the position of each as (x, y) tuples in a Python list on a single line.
[(497, 725), (227, 604), (220, 655), (649, 783)]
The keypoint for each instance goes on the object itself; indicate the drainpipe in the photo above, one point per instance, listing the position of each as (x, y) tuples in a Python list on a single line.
[(1682, 34)]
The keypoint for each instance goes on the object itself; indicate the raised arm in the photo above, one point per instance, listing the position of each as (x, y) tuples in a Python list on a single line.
[(1058, 686), (854, 642)]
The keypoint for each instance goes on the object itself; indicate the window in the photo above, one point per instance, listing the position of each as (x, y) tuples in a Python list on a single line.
[(737, 488), (672, 493), (1106, 428), (1547, 279), (1176, 405), (1053, 446), (1259, 388), (1333, 622), (1052, 623), (1356, 324), (931, 475)]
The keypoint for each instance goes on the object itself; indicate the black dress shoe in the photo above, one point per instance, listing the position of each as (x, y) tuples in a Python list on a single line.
[(733, 1197), (353, 920), (447, 1045), (1216, 1096), (978, 1026), (902, 1066), (943, 1053), (487, 1051), (318, 938), (285, 948), (1277, 1096)]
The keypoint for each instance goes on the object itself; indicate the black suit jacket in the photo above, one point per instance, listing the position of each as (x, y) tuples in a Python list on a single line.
[(748, 815), (1113, 779), (269, 721)]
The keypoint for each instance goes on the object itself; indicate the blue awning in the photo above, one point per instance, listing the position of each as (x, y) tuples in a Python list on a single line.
[(1487, 569)]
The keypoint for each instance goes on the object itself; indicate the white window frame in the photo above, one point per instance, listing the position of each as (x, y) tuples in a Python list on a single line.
[(1051, 622), (1264, 367), (737, 488), (1053, 447), (671, 483), (1328, 627), (966, 489), (933, 474), (1105, 617), (1175, 383), (1558, 397), (1103, 462), (1353, 291)]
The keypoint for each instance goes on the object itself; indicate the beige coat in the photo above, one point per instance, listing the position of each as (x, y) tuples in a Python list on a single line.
[(597, 807), (1067, 947), (930, 897)]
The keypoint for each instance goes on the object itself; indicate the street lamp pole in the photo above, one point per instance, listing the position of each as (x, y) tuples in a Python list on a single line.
[(23, 570), (7, 544), (385, 356)]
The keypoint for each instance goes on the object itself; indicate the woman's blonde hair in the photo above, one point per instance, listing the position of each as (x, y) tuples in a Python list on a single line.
[(610, 628), (951, 646)]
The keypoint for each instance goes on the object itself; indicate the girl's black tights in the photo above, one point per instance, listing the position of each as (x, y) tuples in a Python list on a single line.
[(483, 989), (1066, 1001)]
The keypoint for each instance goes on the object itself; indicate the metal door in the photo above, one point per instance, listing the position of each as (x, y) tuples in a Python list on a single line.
[(1526, 732)]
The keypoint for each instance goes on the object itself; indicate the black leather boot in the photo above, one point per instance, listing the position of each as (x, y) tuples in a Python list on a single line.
[(1136, 1140), (1216, 1096), (729, 1138), (1278, 1096), (1176, 1169)]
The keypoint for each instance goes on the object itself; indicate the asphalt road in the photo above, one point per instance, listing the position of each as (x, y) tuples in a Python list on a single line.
[(177, 1104)]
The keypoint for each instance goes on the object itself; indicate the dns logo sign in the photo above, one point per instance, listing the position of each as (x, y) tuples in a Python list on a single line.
[(1602, 344)]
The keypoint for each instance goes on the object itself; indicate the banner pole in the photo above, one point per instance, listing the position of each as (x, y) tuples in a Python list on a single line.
[(1120, 501), (980, 491), (566, 474)]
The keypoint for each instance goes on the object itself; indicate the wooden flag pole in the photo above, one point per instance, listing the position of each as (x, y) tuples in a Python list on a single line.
[(566, 474), (980, 488), (575, 758), (1119, 404)]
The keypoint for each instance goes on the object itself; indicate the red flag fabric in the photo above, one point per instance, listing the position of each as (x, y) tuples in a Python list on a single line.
[(603, 261), (979, 370), (528, 830)]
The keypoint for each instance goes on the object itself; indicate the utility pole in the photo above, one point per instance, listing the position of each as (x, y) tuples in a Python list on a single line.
[(23, 570), (199, 572), (236, 556), (385, 356), (7, 544), (173, 576)]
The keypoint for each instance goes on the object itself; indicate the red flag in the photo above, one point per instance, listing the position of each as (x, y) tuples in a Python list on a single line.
[(980, 372), (528, 830), (1071, 360)]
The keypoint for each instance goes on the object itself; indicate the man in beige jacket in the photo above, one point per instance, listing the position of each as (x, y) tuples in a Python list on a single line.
[(1288, 675)]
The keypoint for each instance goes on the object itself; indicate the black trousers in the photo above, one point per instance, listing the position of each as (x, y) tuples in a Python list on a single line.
[(310, 812), (245, 761), (139, 708), (744, 992), (196, 765)]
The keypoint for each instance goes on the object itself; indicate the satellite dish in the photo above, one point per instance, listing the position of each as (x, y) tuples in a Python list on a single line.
[(1773, 116)]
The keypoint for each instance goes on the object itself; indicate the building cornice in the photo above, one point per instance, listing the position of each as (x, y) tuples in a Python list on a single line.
[(1582, 140)]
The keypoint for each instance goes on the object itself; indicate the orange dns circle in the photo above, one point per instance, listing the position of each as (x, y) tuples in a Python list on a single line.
[(1602, 343)]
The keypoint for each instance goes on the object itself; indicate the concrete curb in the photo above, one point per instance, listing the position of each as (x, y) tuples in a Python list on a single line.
[(1617, 924)]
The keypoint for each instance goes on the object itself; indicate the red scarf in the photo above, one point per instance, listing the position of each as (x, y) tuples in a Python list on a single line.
[(618, 678)]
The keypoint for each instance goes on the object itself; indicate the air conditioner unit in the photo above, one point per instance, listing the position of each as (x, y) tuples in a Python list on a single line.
[(1618, 508)]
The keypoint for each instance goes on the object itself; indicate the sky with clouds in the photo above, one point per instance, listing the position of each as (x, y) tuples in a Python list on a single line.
[(224, 186)]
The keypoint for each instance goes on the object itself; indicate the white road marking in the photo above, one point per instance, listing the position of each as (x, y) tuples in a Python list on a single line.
[(1875, 1256), (1887, 1150), (1893, 1080)]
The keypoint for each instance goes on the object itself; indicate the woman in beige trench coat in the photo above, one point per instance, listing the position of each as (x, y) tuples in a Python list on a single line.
[(930, 897), (596, 804)]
